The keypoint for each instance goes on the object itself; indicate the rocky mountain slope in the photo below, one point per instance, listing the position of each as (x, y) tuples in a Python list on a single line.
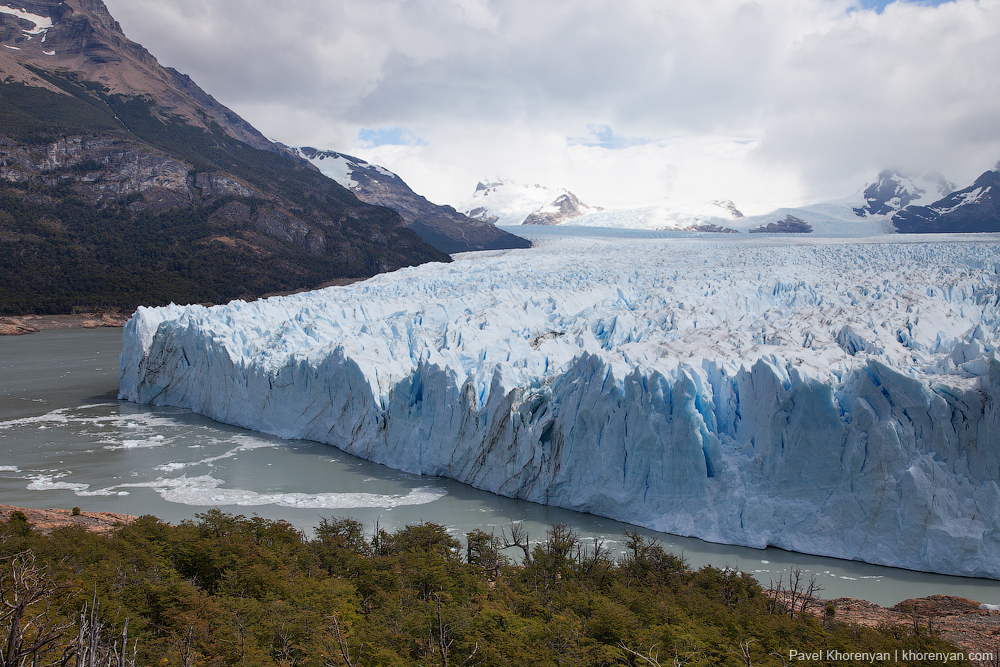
[(123, 183), (562, 209), (972, 209), (441, 226), (893, 190), (81, 36)]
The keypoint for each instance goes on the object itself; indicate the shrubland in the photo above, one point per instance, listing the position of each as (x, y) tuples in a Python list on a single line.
[(231, 590)]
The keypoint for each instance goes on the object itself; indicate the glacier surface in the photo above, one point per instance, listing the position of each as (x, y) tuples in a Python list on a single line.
[(824, 396)]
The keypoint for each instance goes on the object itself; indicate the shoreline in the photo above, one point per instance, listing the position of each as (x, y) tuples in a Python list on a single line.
[(957, 619), (47, 520), (19, 325), (29, 324)]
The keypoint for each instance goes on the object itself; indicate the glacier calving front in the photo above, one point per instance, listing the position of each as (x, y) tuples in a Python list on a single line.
[(835, 398)]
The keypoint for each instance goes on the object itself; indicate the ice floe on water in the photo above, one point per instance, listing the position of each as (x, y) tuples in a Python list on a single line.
[(205, 490), (831, 397), (114, 433)]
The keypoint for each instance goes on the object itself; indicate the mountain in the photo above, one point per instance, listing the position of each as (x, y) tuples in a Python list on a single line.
[(441, 226), (81, 36), (892, 191), (714, 216), (123, 183), (506, 202), (562, 209), (866, 213), (973, 209)]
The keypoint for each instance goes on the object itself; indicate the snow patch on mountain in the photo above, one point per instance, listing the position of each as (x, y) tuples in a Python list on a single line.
[(966, 198), (41, 23), (337, 166), (831, 397), (892, 191)]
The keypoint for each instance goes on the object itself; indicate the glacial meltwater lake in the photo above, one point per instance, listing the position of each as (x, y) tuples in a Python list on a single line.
[(66, 440)]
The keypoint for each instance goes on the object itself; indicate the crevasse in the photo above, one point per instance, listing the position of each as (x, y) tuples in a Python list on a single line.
[(828, 397)]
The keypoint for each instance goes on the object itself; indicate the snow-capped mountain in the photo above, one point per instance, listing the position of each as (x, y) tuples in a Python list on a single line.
[(509, 203), (506, 202), (562, 209), (441, 226), (866, 213), (893, 190), (972, 209), (713, 216), (831, 398)]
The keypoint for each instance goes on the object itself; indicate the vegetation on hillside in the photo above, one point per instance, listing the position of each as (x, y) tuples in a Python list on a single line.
[(61, 251), (231, 590)]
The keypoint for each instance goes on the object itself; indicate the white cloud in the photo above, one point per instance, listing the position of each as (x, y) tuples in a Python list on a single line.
[(825, 93)]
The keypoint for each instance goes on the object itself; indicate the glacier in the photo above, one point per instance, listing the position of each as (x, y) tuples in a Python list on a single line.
[(828, 396)]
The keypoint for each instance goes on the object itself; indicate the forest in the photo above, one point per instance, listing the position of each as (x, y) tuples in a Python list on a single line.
[(70, 242), (226, 589)]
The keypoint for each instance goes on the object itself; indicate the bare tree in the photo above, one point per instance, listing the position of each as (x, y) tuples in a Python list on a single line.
[(744, 651), (92, 648), (518, 538), (30, 618), (445, 638), (653, 658), (342, 646)]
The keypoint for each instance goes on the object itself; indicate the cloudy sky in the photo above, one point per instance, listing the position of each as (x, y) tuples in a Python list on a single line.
[(624, 102)]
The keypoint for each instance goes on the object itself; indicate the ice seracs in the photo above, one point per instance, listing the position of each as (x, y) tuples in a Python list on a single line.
[(830, 397)]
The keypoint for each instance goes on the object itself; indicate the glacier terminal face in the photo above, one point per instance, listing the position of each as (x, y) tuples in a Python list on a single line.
[(830, 397)]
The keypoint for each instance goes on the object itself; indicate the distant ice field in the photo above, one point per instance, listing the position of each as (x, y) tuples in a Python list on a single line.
[(828, 396)]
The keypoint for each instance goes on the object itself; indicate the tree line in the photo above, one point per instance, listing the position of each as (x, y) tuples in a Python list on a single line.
[(231, 590)]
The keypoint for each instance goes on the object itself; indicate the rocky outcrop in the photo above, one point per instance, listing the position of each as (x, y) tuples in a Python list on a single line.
[(712, 228), (790, 225), (729, 207), (566, 206)]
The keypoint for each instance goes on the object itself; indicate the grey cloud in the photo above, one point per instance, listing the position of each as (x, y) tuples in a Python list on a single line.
[(828, 91)]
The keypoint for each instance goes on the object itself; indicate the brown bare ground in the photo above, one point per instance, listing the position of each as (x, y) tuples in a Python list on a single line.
[(958, 620), (14, 326), (48, 519)]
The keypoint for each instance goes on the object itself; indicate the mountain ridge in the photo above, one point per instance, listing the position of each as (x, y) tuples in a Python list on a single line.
[(119, 187), (441, 226), (974, 209)]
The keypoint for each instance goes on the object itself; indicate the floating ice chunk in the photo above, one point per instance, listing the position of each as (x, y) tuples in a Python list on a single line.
[(205, 490)]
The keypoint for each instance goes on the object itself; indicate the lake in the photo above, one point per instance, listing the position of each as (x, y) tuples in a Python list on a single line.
[(66, 440)]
